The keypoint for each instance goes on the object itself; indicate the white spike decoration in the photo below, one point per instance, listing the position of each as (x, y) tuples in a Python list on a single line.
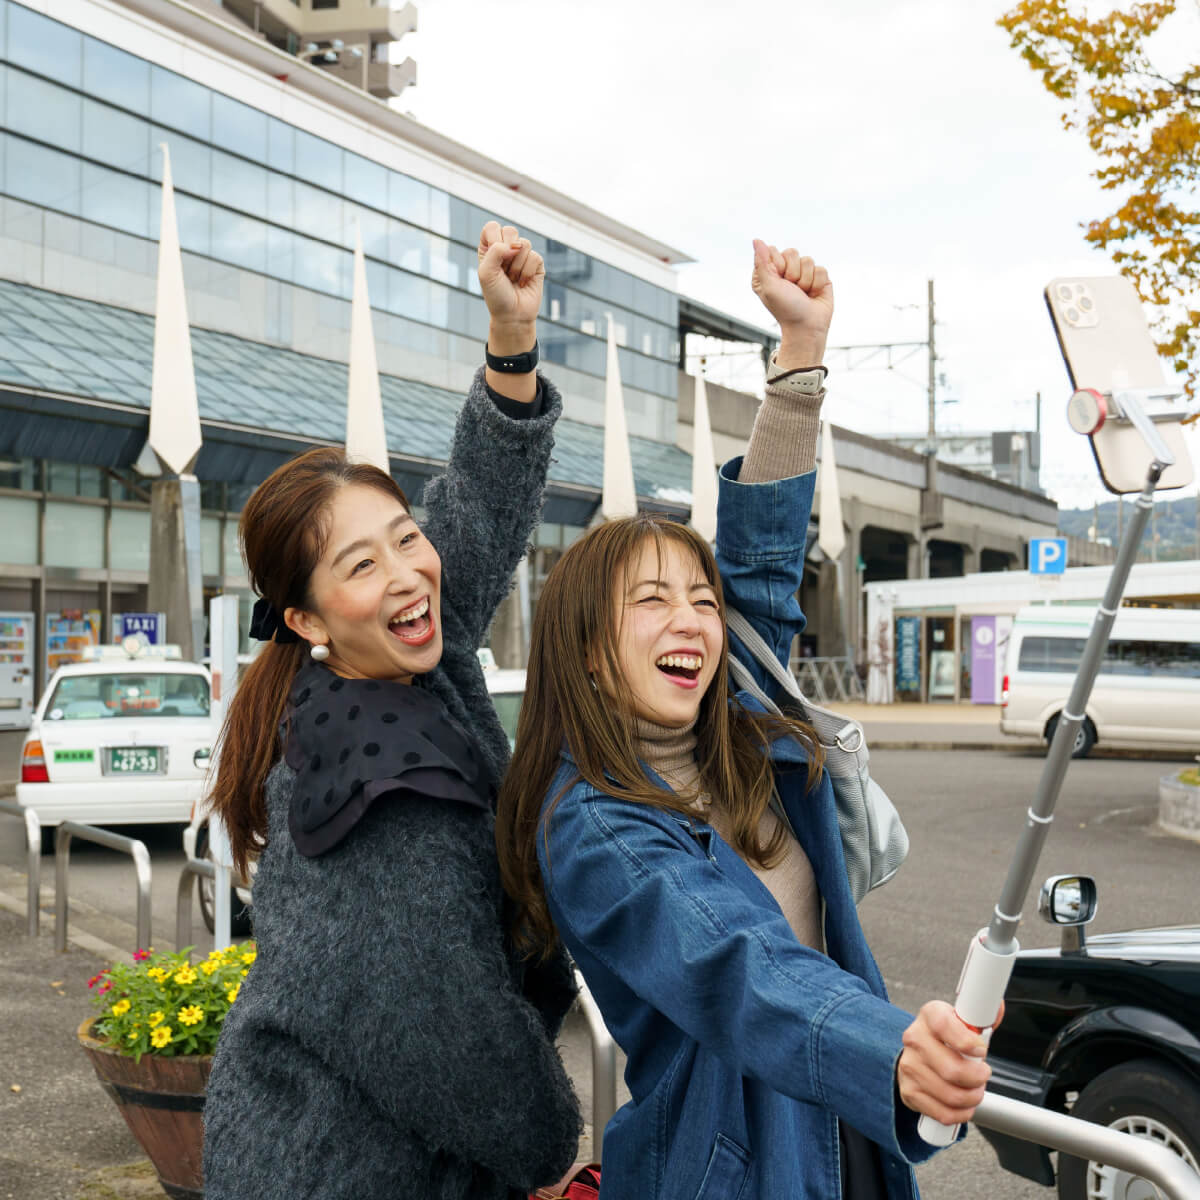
[(704, 472), (174, 414), (366, 437), (619, 498), (832, 536)]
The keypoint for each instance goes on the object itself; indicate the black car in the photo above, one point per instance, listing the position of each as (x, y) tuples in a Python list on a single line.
[(1106, 1028)]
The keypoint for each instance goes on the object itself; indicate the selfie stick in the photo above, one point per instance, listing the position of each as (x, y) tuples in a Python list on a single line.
[(993, 950)]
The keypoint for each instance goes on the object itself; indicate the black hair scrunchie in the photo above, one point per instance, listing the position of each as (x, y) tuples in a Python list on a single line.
[(266, 625)]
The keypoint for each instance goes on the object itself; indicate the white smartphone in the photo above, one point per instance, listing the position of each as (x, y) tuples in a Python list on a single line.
[(1106, 345)]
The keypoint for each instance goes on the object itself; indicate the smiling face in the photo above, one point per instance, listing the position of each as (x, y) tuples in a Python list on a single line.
[(669, 633), (376, 591)]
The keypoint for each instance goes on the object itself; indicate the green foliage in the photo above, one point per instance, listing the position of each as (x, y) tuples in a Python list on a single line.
[(1174, 522), (1144, 125), (163, 1004), (1190, 776)]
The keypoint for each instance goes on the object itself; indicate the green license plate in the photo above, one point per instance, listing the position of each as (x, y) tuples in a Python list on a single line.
[(133, 760)]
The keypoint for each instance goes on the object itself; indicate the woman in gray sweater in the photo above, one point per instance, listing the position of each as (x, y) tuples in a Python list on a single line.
[(386, 1042)]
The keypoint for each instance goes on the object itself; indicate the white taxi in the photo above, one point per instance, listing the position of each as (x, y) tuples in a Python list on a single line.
[(506, 687), (121, 738)]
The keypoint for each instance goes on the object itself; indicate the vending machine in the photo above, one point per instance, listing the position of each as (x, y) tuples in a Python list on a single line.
[(16, 669), (67, 633)]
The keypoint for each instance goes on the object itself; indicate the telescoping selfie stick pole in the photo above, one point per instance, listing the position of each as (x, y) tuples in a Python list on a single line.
[(993, 950)]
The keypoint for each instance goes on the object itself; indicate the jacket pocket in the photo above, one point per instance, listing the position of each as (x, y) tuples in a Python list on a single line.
[(728, 1170)]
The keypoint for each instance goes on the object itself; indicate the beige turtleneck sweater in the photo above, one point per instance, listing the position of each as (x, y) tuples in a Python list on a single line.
[(672, 753)]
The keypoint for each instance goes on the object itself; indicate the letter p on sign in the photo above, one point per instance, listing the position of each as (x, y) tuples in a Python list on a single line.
[(1047, 556)]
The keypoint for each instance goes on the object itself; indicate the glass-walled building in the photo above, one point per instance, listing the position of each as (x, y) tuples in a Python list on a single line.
[(277, 169)]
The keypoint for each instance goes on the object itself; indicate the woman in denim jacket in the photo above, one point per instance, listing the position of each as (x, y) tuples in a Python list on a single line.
[(764, 1060)]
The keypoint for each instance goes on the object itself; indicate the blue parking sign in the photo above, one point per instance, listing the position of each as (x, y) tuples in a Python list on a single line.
[(1047, 556)]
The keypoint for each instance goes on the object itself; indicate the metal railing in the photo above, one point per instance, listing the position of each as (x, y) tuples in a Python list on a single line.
[(183, 898), (1137, 1155), (33, 861), (828, 679), (604, 1066), (114, 841)]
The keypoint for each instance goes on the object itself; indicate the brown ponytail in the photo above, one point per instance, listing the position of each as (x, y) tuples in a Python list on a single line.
[(282, 531)]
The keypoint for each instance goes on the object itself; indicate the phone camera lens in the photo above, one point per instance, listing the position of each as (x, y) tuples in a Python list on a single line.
[(1072, 315), (1085, 303), (1064, 292)]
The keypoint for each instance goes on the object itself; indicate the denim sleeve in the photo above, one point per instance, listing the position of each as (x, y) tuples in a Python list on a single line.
[(761, 533), (627, 890), (482, 510)]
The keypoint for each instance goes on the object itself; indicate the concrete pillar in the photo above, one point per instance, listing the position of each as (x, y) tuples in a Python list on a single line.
[(972, 552), (918, 562), (852, 601), (506, 636), (176, 580), (827, 623)]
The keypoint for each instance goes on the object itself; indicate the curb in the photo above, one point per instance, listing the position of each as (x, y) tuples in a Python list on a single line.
[(1036, 749), (78, 938)]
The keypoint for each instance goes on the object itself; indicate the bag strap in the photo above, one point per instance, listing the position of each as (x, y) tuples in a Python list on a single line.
[(833, 729), (752, 640)]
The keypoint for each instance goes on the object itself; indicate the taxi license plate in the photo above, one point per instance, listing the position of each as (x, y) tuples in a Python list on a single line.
[(133, 760)]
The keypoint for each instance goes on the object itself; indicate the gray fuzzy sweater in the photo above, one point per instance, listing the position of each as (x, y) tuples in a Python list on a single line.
[(386, 1045)]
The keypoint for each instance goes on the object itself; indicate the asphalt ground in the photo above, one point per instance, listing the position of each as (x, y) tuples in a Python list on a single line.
[(60, 1136)]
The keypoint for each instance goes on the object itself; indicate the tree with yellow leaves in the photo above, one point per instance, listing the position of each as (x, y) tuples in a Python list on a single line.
[(1143, 122)]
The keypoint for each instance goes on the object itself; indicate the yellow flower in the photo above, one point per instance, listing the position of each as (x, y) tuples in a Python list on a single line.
[(157, 974), (191, 1014), (156, 1018), (210, 967), (185, 975), (232, 994), (215, 953), (121, 1008), (245, 972), (133, 1037), (249, 956), (160, 1037)]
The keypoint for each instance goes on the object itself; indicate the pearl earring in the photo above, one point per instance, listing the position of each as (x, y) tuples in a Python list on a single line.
[(319, 652)]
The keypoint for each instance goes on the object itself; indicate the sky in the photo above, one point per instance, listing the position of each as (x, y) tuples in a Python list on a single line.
[(894, 143)]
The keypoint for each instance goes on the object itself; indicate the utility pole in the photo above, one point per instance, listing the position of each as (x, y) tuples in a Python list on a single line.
[(932, 378)]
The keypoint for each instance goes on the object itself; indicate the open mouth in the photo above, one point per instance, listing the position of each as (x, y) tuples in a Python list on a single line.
[(413, 626), (683, 669)]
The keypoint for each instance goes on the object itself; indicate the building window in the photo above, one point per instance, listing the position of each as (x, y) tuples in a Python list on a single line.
[(324, 4), (130, 539), (18, 473), (18, 530), (75, 535)]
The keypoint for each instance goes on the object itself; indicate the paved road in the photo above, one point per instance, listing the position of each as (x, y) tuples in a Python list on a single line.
[(963, 811)]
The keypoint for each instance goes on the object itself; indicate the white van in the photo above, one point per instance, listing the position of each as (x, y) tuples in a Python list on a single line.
[(1146, 695)]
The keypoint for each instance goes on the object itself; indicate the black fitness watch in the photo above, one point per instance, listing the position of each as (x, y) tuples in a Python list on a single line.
[(512, 364)]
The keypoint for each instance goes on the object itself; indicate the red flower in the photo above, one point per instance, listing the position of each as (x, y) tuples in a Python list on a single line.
[(141, 955)]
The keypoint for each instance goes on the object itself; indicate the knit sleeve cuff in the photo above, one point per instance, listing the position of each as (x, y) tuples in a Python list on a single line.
[(784, 440)]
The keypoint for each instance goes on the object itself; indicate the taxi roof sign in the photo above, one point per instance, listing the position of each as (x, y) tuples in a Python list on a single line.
[(134, 646)]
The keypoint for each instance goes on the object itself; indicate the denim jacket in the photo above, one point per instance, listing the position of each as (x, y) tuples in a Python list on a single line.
[(744, 1046)]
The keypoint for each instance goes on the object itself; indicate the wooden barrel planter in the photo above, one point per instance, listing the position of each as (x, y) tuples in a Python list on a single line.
[(162, 1101)]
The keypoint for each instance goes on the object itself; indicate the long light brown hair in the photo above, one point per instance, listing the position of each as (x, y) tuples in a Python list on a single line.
[(283, 530), (578, 618)]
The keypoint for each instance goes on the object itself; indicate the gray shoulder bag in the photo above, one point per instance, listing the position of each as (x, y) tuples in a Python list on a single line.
[(874, 841)]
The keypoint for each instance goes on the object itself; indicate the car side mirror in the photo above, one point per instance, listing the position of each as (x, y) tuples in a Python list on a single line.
[(1069, 901)]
